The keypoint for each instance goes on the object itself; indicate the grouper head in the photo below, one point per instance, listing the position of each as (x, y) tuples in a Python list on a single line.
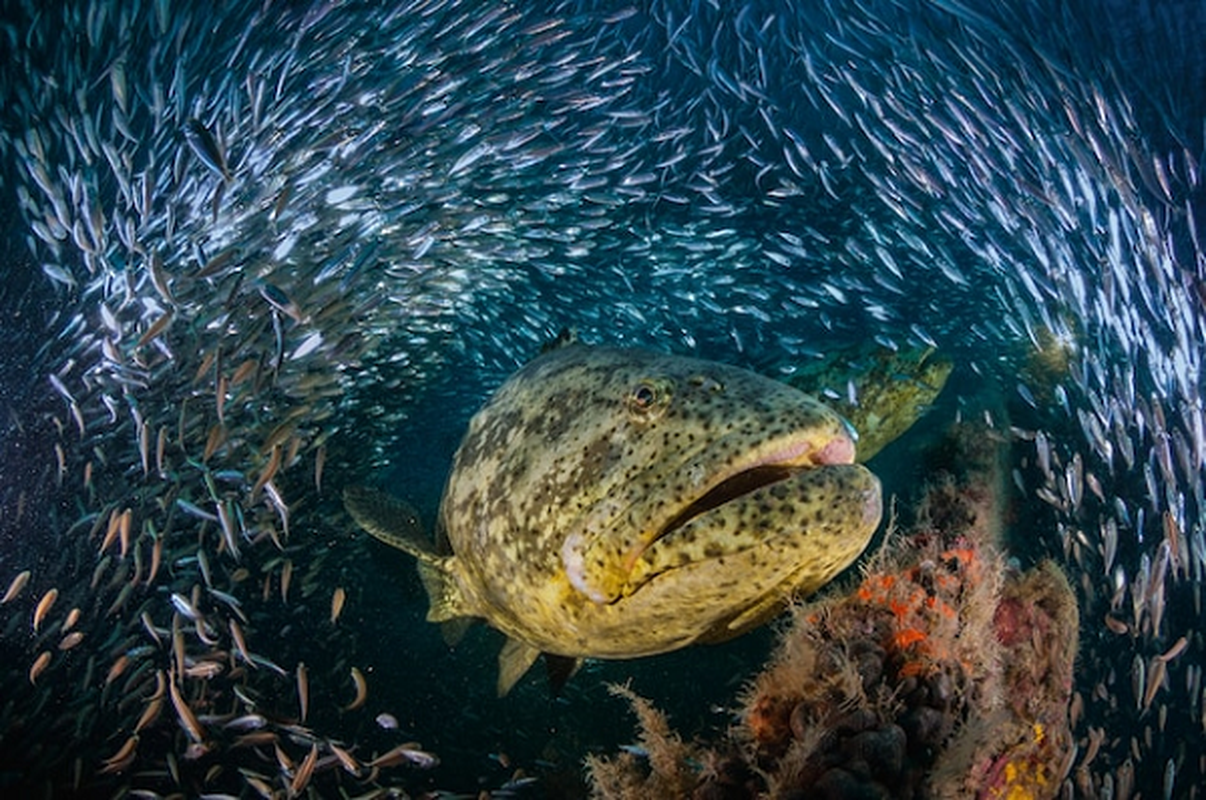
[(614, 502)]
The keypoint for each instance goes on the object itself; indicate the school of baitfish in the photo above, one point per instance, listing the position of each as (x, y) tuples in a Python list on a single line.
[(250, 241)]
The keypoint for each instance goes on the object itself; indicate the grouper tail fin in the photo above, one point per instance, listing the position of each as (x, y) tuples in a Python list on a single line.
[(389, 520), (396, 523)]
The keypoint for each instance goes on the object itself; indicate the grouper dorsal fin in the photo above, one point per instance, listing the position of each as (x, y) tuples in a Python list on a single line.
[(389, 520), (565, 337)]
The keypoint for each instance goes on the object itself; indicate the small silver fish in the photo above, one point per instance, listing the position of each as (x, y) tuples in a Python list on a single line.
[(205, 146)]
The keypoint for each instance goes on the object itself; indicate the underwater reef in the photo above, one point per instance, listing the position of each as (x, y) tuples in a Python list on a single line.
[(945, 672)]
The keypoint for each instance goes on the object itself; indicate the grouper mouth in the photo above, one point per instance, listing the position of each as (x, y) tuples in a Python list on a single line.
[(779, 466), (601, 567)]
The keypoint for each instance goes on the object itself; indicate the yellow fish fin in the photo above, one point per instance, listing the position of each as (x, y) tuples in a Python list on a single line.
[(396, 523), (447, 604), (515, 659)]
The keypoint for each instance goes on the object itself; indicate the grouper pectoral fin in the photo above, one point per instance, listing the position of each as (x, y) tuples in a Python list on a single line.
[(396, 523), (447, 605), (514, 660)]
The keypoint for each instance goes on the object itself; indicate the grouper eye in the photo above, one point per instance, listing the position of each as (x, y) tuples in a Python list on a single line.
[(643, 396), (648, 399)]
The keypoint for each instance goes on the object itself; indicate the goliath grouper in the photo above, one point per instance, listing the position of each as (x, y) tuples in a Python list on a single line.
[(615, 503)]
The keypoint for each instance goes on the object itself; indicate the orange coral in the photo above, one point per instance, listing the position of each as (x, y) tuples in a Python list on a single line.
[(923, 601), (907, 637)]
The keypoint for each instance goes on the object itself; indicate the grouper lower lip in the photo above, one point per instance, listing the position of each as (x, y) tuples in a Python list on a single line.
[(762, 470), (811, 522)]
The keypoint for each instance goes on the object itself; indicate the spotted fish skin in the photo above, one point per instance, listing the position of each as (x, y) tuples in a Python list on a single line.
[(573, 505)]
